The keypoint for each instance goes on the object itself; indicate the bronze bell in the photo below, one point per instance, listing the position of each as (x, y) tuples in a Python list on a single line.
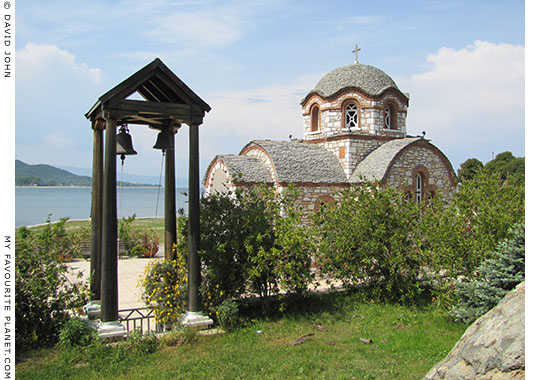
[(164, 141), (124, 144)]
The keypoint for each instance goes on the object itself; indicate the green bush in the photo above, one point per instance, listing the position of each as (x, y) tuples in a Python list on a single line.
[(246, 246), (372, 238), (164, 288), (496, 277), (459, 236), (77, 332), (227, 315), (44, 295)]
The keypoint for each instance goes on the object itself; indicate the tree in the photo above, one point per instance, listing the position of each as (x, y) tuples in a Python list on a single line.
[(508, 168), (496, 277), (469, 169)]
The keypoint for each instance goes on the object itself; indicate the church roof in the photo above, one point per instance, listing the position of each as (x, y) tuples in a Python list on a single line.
[(249, 167), (375, 165), (370, 80), (296, 162)]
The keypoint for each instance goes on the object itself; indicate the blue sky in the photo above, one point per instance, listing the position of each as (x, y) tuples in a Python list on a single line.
[(463, 63)]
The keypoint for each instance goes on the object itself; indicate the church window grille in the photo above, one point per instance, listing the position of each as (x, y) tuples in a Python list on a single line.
[(419, 188), (387, 117), (351, 116), (315, 119)]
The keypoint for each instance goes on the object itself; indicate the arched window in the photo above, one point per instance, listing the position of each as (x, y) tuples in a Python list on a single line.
[(351, 116), (315, 118), (390, 121), (419, 188)]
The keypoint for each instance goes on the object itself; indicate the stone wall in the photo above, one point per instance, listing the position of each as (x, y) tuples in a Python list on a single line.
[(403, 171), (312, 195), (371, 115), (351, 151)]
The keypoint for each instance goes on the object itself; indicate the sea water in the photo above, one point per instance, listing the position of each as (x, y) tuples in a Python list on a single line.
[(34, 204)]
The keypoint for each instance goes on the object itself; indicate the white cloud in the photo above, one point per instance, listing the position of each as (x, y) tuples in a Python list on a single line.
[(41, 61), (208, 28), (53, 92), (470, 101), (265, 112), (58, 141)]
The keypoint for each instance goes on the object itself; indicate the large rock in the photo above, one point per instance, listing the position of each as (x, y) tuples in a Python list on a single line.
[(492, 348)]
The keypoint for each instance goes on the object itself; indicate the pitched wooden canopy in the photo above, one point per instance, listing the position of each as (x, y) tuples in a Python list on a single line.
[(168, 100)]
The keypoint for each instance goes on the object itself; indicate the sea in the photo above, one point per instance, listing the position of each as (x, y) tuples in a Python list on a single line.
[(34, 204)]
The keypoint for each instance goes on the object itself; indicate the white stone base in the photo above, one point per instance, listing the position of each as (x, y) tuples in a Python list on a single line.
[(93, 309), (112, 329), (196, 319)]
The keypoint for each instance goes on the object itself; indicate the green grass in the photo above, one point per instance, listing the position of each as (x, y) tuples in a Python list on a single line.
[(407, 342), (84, 227)]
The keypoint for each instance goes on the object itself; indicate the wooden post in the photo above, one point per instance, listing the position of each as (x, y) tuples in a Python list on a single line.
[(109, 259), (194, 261), (96, 211), (170, 200)]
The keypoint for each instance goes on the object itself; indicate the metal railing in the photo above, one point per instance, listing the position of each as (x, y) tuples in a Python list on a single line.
[(142, 319)]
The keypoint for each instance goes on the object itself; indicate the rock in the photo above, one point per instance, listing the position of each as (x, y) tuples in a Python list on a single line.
[(492, 348)]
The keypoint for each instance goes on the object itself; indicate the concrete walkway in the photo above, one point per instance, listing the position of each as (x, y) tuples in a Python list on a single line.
[(130, 272)]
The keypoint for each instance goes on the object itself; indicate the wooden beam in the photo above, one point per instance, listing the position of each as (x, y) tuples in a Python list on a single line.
[(146, 119), (123, 108)]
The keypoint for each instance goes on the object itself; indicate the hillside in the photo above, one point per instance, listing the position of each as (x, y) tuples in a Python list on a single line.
[(47, 175)]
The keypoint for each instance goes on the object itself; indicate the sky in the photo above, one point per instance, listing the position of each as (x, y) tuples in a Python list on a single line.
[(462, 62)]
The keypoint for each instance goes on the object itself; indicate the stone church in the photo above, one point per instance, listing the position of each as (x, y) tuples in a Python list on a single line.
[(354, 130)]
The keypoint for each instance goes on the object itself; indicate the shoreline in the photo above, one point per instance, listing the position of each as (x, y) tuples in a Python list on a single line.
[(83, 187)]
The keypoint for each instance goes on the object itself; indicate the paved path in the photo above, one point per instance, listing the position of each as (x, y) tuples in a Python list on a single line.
[(130, 271)]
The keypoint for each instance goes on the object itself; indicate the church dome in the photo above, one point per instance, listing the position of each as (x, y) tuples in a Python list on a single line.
[(368, 79)]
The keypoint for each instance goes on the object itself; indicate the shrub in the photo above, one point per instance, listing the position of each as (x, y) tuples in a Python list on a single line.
[(76, 332), (246, 246), (496, 277), (164, 288), (227, 315), (43, 291), (372, 238), (459, 236)]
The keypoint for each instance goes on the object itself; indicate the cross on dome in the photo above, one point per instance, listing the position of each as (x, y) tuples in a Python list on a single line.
[(355, 51)]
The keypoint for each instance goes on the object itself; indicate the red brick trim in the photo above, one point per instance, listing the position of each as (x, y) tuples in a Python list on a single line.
[(424, 144), (322, 199), (350, 136), (336, 95)]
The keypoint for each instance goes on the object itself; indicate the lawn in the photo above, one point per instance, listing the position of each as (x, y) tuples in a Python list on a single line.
[(407, 342), (83, 227)]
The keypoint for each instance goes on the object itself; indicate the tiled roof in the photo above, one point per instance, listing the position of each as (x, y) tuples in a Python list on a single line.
[(370, 80), (297, 162), (375, 165), (249, 168)]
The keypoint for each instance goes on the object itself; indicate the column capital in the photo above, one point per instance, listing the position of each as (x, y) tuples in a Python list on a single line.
[(99, 124)]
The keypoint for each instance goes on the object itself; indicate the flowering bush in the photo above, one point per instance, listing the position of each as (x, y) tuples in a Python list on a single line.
[(164, 288), (44, 293)]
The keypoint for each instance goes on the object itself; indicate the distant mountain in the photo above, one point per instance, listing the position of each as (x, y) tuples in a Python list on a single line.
[(47, 175)]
